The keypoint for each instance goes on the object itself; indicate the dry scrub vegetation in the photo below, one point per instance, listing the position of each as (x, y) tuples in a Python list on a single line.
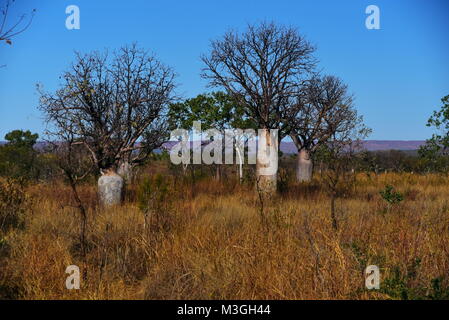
[(214, 240)]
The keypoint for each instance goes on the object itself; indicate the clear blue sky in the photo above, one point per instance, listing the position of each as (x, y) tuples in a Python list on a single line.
[(398, 74)]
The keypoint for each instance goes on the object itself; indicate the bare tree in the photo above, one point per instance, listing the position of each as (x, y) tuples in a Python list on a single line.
[(324, 109), (261, 69), (73, 161), (339, 154), (114, 107)]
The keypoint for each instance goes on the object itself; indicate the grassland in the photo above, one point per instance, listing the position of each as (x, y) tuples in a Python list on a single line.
[(214, 240)]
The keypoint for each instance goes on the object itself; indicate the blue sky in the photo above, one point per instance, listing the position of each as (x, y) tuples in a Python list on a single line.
[(398, 74)]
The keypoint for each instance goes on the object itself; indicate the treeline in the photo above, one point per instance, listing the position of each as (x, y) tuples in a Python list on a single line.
[(23, 157), (409, 161)]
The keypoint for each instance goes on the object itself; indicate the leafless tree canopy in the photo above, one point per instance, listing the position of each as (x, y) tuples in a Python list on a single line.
[(113, 106), (324, 111), (10, 27), (261, 69)]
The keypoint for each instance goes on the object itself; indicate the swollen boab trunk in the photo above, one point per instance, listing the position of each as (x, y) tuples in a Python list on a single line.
[(267, 161), (110, 188), (304, 166)]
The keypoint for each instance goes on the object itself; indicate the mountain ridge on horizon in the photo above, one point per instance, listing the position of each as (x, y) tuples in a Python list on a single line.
[(370, 145)]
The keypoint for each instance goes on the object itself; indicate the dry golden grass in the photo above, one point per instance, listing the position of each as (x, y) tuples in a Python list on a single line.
[(212, 243)]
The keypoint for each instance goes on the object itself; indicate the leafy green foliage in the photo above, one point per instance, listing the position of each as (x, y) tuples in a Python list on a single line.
[(153, 192), (19, 138), (215, 110), (390, 195), (436, 149), (17, 156), (154, 200), (400, 285)]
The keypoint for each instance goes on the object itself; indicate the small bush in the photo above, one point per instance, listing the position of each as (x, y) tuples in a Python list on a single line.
[(390, 195), (154, 198), (399, 285), (13, 203)]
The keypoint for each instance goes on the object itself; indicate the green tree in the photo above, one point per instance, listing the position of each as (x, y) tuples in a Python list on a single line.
[(216, 110), (19, 138), (436, 150), (18, 156)]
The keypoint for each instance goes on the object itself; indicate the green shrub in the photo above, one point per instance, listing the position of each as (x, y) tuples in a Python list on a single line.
[(390, 195), (398, 285), (18, 158)]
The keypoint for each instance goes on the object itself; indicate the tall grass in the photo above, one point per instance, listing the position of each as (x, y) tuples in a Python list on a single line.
[(208, 241)]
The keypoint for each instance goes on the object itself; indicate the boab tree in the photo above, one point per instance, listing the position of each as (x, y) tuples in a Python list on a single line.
[(324, 109), (115, 107), (261, 69)]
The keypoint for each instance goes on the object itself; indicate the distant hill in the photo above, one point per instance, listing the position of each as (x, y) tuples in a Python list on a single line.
[(370, 145), (375, 145)]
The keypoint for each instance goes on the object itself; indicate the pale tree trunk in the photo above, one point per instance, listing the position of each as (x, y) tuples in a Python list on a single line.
[(125, 170), (184, 169), (304, 166), (267, 162), (240, 166), (240, 153), (217, 172), (110, 188)]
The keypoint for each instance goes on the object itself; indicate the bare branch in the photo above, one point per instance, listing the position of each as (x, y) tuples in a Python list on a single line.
[(23, 23), (260, 69), (112, 104)]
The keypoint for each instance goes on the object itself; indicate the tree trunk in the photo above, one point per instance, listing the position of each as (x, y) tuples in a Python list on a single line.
[(267, 162), (217, 172), (304, 166), (240, 165), (110, 188), (125, 171)]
